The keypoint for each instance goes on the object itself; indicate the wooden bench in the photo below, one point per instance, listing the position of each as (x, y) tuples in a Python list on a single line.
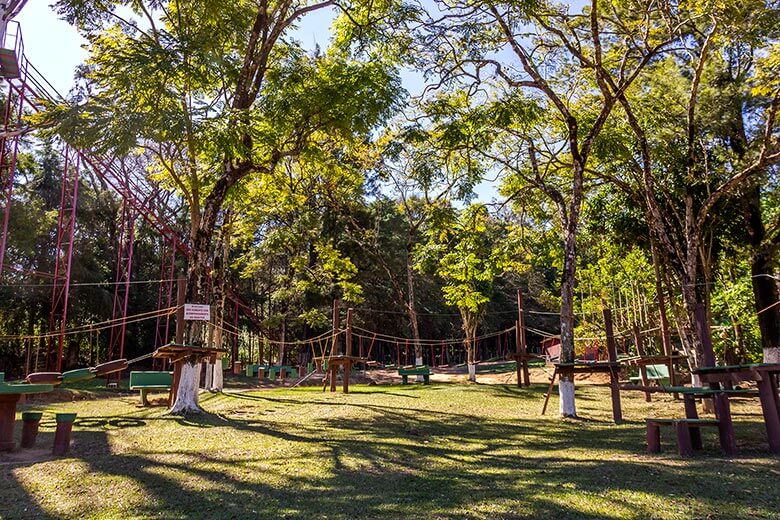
[(688, 436), (657, 373), (147, 381), (422, 370)]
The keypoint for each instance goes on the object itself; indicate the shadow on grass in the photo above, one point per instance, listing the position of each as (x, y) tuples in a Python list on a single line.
[(391, 461)]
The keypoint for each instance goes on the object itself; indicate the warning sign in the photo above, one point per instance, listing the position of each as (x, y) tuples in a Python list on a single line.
[(197, 312)]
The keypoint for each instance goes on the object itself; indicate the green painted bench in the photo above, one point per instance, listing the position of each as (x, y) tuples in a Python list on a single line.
[(272, 372), (148, 381), (657, 373), (422, 370)]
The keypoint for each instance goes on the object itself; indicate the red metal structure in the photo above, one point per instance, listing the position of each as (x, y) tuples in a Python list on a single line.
[(66, 230), (26, 88), (124, 270), (12, 133)]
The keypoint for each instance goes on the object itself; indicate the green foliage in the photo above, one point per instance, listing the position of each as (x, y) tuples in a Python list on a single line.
[(468, 252)]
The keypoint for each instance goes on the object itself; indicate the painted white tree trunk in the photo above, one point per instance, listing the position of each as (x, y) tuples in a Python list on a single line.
[(419, 361), (216, 385), (566, 394), (472, 372), (772, 355), (187, 392), (207, 383)]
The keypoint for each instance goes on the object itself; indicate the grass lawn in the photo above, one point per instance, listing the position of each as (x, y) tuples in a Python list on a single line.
[(438, 451)]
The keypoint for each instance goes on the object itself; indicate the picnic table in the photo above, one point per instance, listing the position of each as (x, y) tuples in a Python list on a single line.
[(9, 396), (765, 375)]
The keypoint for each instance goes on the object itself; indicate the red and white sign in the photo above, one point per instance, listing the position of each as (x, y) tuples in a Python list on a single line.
[(197, 312)]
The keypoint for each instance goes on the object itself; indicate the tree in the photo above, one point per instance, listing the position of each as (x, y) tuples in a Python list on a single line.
[(424, 172), (682, 194), (216, 92), (468, 251), (556, 62)]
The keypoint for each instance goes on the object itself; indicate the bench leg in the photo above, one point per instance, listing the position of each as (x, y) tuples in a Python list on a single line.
[(683, 439), (405, 380), (653, 438), (144, 400), (725, 427), (691, 413), (426, 379)]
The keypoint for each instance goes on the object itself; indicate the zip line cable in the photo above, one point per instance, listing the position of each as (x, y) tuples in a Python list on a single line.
[(84, 284), (93, 327)]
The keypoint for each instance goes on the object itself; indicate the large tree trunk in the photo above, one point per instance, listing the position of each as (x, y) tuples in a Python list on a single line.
[(187, 391), (767, 296), (566, 381), (765, 290), (470, 329), (411, 308), (197, 281)]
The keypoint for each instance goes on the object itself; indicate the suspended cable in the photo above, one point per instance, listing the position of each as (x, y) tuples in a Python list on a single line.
[(85, 284), (93, 326)]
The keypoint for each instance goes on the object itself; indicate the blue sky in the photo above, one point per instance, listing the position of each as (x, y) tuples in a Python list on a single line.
[(55, 48)]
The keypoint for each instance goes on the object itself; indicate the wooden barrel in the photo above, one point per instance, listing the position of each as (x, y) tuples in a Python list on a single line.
[(110, 367), (81, 374), (44, 378)]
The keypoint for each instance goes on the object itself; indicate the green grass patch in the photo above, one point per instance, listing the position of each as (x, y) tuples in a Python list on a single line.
[(438, 451)]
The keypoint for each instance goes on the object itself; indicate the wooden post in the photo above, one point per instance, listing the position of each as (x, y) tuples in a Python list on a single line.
[(725, 427), (519, 366), (433, 356), (181, 294), (521, 336), (335, 347), (62, 433), (708, 355), (32, 421), (348, 338), (767, 393), (8, 420), (640, 349), (347, 371), (617, 412), (691, 413)]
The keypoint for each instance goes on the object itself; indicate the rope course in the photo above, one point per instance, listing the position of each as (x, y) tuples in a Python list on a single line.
[(427, 341)]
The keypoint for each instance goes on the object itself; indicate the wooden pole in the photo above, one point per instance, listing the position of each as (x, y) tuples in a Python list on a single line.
[(521, 336), (708, 355), (519, 366), (617, 412), (348, 336), (640, 349), (181, 294), (335, 348)]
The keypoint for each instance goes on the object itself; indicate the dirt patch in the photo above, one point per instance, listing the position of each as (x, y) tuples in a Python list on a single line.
[(65, 395), (26, 456)]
